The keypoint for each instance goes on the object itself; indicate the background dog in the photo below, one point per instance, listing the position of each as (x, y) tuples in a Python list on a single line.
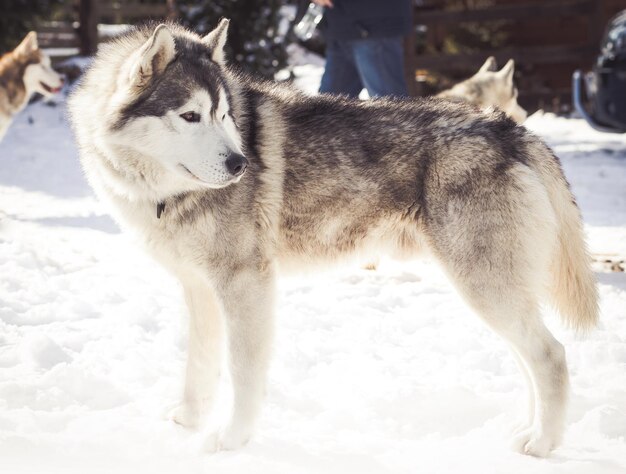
[(490, 88), (23, 72)]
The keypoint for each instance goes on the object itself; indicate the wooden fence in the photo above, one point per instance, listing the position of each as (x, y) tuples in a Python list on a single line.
[(547, 39), (77, 31)]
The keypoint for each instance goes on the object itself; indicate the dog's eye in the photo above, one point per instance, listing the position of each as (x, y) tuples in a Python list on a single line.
[(223, 117), (191, 117)]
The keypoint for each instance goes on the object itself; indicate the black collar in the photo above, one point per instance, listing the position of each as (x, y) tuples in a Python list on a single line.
[(160, 209)]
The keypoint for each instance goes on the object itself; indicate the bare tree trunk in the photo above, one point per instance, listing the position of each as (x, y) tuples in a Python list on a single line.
[(172, 10), (409, 59), (88, 29)]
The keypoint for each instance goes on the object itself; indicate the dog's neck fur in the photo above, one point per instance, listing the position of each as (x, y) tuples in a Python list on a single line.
[(135, 177)]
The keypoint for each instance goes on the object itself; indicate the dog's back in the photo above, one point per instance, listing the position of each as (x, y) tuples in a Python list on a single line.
[(361, 173)]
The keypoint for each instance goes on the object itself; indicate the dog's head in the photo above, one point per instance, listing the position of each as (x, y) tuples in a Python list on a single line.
[(490, 87), (38, 74), (173, 106)]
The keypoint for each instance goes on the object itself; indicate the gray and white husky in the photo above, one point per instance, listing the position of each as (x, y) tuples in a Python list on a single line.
[(226, 178), (490, 88)]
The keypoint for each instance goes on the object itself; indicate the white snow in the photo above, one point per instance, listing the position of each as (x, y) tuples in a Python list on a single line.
[(373, 372)]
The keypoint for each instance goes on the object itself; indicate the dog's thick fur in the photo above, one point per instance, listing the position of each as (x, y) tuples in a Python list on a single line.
[(490, 88), (158, 117), (23, 72)]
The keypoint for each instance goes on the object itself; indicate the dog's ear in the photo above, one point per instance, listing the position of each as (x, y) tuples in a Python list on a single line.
[(216, 40), (153, 57), (28, 45), (490, 65), (507, 71)]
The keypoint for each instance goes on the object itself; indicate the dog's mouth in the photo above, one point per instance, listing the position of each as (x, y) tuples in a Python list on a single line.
[(189, 173), (50, 90)]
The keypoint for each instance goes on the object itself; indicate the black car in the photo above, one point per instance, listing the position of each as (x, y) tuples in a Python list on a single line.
[(603, 104)]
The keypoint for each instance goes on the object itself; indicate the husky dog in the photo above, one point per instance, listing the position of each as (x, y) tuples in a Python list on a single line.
[(23, 72), (490, 88), (226, 178)]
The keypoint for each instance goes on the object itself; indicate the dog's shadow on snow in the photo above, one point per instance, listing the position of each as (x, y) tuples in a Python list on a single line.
[(586, 456), (616, 279), (100, 223)]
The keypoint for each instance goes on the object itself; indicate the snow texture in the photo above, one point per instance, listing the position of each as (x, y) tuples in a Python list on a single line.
[(383, 371)]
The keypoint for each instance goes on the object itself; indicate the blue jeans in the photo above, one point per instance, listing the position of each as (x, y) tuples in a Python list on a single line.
[(376, 64)]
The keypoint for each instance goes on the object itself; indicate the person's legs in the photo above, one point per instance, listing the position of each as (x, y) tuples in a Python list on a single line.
[(380, 62), (340, 75)]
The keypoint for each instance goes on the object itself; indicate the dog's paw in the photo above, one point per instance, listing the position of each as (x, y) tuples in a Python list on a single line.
[(228, 439), (532, 443), (186, 415)]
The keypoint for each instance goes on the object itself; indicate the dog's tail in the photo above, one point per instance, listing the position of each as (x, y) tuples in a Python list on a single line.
[(573, 287)]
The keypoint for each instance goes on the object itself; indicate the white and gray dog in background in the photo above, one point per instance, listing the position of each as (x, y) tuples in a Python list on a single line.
[(226, 178), (490, 88)]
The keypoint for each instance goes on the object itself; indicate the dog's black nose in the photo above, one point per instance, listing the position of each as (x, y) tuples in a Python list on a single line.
[(236, 164)]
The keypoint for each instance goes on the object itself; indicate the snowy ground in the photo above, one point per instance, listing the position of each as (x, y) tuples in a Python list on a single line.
[(374, 372)]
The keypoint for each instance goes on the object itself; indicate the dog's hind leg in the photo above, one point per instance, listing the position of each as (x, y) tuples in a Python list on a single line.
[(204, 352), (496, 241), (247, 295), (546, 360), (530, 385), (515, 316)]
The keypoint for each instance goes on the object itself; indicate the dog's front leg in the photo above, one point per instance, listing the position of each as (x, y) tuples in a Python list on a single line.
[(247, 296), (204, 352)]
